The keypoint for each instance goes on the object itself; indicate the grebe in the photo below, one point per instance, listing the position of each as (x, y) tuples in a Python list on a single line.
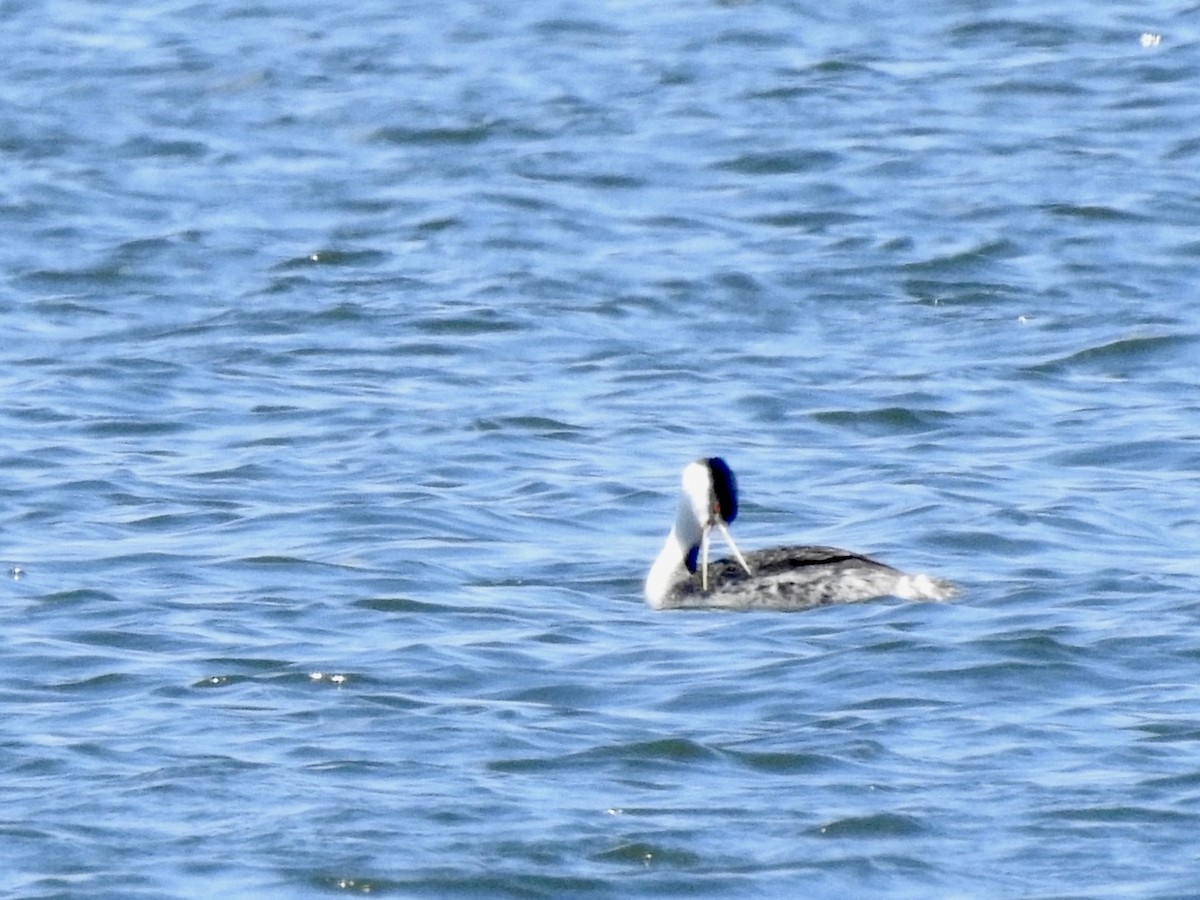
[(787, 578)]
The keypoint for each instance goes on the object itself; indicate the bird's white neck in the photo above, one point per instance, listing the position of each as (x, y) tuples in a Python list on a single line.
[(670, 564)]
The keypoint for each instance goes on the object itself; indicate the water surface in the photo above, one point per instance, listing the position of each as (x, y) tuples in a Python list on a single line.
[(351, 358)]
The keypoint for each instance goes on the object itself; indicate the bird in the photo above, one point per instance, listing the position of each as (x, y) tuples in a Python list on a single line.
[(788, 579)]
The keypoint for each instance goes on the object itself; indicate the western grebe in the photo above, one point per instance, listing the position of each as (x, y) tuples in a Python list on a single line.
[(787, 578)]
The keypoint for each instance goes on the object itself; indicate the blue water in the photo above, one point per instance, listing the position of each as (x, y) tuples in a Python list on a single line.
[(351, 356)]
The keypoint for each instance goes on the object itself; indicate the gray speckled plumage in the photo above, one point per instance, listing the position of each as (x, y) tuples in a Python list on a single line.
[(786, 578)]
